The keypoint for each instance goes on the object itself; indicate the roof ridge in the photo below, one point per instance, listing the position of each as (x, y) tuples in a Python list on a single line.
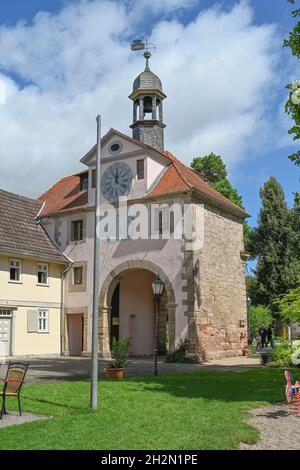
[(20, 196)]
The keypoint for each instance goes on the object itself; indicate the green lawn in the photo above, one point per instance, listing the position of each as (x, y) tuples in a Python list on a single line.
[(180, 411)]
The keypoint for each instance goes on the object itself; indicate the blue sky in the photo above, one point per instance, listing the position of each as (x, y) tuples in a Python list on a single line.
[(267, 146)]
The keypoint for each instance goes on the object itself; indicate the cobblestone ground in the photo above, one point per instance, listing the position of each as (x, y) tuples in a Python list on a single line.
[(278, 427)]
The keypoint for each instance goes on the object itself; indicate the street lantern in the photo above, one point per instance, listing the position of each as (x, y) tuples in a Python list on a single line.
[(158, 287)]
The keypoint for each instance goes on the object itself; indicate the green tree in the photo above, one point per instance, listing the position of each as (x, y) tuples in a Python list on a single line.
[(289, 305), (259, 316), (251, 287), (295, 216), (211, 167), (224, 187), (271, 244), (293, 42), (214, 171)]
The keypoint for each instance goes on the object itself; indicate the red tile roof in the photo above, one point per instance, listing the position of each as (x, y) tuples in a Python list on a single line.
[(64, 195), (179, 177)]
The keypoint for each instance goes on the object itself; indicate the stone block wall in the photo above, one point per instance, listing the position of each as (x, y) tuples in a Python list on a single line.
[(216, 289)]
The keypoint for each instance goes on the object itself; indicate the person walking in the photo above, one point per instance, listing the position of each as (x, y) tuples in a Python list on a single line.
[(269, 336), (263, 335)]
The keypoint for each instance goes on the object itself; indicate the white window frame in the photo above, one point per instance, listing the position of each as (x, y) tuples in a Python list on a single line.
[(43, 321), (43, 265), (6, 313), (12, 265)]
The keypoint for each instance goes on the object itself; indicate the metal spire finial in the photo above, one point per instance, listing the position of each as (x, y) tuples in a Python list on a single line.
[(147, 55), (139, 45)]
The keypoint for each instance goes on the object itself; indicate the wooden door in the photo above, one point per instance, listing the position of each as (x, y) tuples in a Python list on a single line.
[(75, 334)]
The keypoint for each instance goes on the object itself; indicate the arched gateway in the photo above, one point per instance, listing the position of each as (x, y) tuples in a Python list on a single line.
[(127, 308)]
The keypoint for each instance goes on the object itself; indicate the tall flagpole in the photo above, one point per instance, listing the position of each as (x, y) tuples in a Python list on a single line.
[(96, 278)]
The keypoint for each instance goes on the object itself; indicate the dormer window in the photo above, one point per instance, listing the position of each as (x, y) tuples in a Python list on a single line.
[(140, 169), (42, 274), (84, 182)]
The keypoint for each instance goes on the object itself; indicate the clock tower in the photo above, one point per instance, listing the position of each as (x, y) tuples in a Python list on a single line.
[(147, 97)]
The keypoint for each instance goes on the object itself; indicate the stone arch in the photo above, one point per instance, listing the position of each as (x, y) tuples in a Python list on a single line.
[(167, 307)]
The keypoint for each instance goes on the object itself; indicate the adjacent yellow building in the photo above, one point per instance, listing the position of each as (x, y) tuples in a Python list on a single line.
[(31, 277)]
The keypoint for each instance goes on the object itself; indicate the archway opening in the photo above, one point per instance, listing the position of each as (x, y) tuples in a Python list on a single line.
[(132, 312), (148, 107)]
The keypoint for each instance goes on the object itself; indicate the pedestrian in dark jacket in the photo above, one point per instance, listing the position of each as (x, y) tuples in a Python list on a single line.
[(269, 336), (263, 335)]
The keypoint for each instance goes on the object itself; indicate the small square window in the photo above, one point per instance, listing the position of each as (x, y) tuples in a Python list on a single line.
[(15, 270), (77, 275), (43, 323), (42, 274), (140, 169), (77, 230)]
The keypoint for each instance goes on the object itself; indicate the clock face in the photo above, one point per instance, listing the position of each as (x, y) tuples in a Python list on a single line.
[(116, 181)]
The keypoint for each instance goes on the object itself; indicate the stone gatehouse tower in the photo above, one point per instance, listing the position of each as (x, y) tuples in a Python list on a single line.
[(204, 298)]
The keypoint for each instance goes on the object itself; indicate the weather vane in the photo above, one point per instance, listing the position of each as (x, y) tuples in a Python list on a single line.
[(139, 45)]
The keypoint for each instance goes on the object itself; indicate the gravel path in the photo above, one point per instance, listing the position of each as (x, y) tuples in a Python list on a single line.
[(13, 419), (278, 427)]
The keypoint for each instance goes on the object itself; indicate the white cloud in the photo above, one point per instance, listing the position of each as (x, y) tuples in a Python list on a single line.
[(157, 7), (216, 71), (8, 88)]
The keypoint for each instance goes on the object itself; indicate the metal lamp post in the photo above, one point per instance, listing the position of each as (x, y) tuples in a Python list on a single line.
[(158, 287), (96, 278)]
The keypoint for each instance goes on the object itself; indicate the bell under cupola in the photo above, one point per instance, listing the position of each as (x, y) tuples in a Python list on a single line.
[(147, 97)]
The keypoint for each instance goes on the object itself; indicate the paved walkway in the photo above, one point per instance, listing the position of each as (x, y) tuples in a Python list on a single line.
[(279, 429), (13, 419), (67, 368)]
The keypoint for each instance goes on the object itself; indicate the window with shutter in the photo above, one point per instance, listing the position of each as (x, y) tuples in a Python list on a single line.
[(32, 321)]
